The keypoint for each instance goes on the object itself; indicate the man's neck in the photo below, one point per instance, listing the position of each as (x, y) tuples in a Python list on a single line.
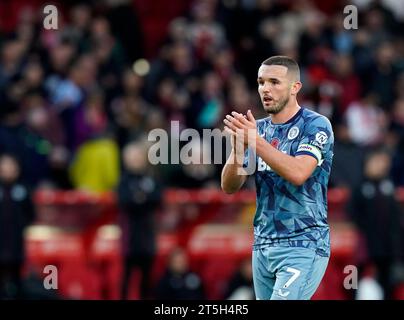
[(286, 114)]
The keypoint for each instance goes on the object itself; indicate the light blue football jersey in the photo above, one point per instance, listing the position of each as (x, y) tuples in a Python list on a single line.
[(289, 215)]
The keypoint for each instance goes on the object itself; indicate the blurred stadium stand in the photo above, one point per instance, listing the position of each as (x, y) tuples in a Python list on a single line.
[(77, 233)]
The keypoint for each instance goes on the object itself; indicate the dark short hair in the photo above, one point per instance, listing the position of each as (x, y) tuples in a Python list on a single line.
[(285, 61)]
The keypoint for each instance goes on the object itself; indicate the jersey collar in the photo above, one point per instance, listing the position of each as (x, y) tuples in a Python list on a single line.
[(291, 120)]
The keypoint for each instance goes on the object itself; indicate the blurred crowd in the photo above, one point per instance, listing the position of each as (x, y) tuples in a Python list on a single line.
[(73, 99)]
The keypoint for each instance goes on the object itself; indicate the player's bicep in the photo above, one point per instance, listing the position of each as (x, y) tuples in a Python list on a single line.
[(307, 165)]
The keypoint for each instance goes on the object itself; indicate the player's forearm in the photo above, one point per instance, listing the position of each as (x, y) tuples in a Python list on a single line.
[(288, 167), (233, 174)]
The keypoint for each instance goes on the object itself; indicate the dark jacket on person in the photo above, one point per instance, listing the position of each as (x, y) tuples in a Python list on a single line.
[(376, 212), (139, 196), (180, 286), (16, 213), (347, 165)]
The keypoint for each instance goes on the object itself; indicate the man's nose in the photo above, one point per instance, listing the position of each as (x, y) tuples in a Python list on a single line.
[(266, 87)]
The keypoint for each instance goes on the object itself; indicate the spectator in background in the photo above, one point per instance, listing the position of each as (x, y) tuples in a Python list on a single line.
[(362, 54), (223, 63), (174, 101), (383, 74), (204, 32), (59, 169), (376, 212), (341, 39), (16, 212), (241, 283), (207, 107), (196, 174), (397, 133), (139, 194), (348, 160), (77, 31), (129, 111), (109, 55), (368, 287), (58, 61), (41, 121), (366, 121), (68, 94), (95, 165), (313, 37), (181, 64), (375, 22), (239, 97), (348, 84), (33, 78), (90, 118), (126, 27), (12, 54), (179, 282), (24, 134)]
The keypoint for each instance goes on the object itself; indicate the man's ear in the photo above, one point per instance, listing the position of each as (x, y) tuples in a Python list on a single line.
[(296, 86)]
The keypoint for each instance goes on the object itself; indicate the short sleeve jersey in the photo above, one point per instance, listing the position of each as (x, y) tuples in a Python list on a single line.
[(289, 215)]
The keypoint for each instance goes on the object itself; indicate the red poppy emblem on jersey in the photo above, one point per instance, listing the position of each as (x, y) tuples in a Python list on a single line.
[(275, 143)]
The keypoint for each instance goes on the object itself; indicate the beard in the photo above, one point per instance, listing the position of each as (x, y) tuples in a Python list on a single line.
[(277, 106)]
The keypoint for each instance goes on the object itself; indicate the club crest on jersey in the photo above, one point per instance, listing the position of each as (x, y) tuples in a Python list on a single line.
[(321, 138), (293, 133), (275, 143)]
